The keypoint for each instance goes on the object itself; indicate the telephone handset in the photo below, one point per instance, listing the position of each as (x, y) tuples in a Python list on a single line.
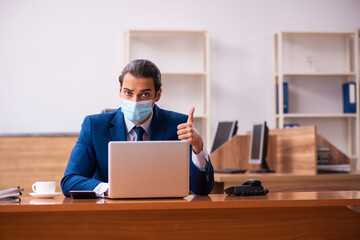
[(250, 187)]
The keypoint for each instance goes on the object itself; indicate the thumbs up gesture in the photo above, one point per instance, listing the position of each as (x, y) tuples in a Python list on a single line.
[(187, 131)]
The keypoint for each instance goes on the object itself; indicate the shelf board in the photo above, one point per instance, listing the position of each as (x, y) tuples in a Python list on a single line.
[(318, 115), (290, 33), (156, 31), (199, 74), (316, 74)]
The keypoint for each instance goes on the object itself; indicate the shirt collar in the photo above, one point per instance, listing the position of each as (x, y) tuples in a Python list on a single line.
[(146, 125)]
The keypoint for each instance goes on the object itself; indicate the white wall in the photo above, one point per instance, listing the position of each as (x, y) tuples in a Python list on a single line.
[(60, 59)]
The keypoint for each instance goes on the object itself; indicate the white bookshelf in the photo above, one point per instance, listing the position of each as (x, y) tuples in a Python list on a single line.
[(315, 65), (183, 59)]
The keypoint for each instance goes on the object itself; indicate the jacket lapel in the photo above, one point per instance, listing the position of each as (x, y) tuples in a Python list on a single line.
[(117, 129), (158, 126)]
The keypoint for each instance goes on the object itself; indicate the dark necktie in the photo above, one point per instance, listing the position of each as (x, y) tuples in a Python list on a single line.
[(139, 132)]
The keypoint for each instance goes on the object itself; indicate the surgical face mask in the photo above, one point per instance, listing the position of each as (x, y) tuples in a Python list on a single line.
[(136, 111)]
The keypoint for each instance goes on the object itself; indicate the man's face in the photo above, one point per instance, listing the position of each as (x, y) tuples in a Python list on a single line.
[(138, 89)]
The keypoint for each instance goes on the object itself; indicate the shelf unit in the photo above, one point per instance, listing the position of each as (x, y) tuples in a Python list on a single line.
[(308, 61), (184, 61)]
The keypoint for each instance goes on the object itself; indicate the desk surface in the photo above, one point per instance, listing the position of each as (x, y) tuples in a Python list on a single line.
[(218, 201), (288, 215)]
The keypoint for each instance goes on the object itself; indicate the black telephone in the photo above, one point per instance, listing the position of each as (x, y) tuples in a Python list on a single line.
[(250, 187)]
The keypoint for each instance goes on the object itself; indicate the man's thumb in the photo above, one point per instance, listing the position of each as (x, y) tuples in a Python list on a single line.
[(191, 115)]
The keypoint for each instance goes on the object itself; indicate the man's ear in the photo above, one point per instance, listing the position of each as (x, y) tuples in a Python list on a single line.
[(158, 95), (120, 90)]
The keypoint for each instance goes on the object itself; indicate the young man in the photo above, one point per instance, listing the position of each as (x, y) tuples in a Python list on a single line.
[(138, 119)]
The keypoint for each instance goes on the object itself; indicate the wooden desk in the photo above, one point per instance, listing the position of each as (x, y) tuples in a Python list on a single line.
[(283, 182), (275, 216)]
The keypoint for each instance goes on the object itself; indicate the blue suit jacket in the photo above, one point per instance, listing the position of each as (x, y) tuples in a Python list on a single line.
[(88, 163)]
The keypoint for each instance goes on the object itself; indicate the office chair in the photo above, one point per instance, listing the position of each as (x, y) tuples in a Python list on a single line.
[(106, 110)]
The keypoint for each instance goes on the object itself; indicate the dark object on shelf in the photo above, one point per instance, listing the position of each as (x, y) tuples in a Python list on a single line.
[(251, 187), (230, 170)]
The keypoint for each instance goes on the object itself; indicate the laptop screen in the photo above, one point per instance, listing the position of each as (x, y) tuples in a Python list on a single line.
[(148, 169)]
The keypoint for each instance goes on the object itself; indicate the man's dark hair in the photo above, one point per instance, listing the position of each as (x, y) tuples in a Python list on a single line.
[(145, 69)]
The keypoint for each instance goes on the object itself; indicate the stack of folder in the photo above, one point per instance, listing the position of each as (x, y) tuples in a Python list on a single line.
[(324, 155), (11, 195), (334, 168)]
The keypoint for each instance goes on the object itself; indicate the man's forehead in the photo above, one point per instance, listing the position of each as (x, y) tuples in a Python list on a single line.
[(131, 82)]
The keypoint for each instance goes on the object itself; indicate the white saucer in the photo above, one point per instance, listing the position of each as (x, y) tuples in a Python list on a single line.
[(44, 195), (43, 201)]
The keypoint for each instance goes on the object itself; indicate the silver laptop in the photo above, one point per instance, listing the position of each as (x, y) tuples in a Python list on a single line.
[(148, 169)]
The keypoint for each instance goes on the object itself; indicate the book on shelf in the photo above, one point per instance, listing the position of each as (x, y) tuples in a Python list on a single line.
[(349, 97), (291, 125), (334, 168), (11, 195), (324, 155), (323, 161), (323, 149), (285, 97)]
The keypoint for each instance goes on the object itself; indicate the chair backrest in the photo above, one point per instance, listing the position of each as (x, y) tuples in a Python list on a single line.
[(106, 110)]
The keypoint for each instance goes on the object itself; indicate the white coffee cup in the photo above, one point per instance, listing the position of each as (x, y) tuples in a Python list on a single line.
[(44, 187)]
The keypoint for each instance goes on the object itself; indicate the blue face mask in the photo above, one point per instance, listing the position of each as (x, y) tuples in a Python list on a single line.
[(136, 111)]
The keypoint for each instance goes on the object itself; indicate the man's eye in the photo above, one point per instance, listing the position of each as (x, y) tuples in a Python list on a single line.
[(145, 94), (127, 93)]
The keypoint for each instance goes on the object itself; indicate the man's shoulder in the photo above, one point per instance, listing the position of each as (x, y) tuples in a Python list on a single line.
[(172, 115)]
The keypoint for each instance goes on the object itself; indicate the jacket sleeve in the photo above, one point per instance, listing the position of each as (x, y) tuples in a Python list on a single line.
[(82, 163), (201, 182)]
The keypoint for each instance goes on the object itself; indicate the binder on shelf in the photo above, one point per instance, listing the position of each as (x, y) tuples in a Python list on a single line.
[(349, 97), (285, 95), (291, 125)]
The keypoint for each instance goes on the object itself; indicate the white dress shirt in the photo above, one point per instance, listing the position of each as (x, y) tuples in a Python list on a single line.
[(200, 160)]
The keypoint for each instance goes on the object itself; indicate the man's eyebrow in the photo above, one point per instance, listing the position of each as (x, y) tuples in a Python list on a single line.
[(131, 90), (145, 90)]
